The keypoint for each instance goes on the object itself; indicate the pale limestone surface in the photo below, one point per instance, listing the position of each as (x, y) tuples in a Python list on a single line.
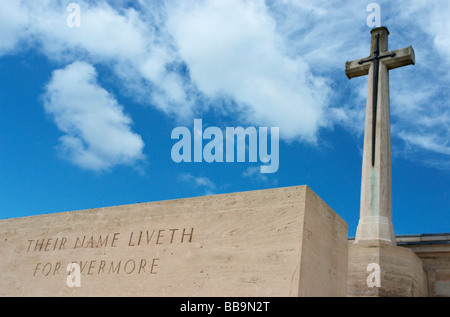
[(434, 251), (402, 271), (276, 242)]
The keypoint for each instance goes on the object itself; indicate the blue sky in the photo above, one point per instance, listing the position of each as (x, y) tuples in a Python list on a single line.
[(86, 113)]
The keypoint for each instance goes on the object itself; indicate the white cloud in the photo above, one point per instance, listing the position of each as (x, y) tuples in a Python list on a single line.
[(232, 50), (13, 21), (97, 131), (105, 34)]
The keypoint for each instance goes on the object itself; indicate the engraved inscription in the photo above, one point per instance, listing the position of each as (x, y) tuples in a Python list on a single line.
[(104, 266)]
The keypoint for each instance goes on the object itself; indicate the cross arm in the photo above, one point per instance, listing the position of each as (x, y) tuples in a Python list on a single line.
[(354, 69), (403, 57)]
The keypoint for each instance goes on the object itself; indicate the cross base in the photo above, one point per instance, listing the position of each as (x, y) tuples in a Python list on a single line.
[(375, 229)]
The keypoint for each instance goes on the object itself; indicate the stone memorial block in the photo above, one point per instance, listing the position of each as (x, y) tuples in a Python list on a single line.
[(275, 242)]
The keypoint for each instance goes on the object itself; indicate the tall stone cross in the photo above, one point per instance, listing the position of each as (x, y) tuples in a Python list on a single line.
[(375, 222)]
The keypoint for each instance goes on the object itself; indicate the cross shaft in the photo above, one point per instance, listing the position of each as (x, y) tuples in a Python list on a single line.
[(376, 65)]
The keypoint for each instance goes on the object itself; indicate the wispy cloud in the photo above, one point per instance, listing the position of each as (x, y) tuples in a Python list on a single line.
[(199, 182), (255, 172)]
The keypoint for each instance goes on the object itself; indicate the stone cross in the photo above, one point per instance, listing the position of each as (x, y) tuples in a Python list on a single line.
[(375, 222)]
